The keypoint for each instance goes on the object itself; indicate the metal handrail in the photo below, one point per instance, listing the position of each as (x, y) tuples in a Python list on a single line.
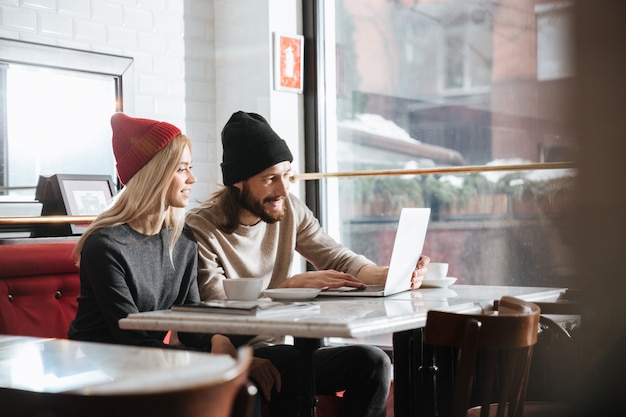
[(25, 220), (435, 170)]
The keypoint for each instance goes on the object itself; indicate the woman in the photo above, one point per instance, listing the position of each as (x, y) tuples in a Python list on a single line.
[(138, 255)]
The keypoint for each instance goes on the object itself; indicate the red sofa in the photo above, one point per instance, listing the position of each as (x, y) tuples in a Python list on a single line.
[(39, 283)]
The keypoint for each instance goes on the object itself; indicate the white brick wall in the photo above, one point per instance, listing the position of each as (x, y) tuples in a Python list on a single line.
[(171, 42)]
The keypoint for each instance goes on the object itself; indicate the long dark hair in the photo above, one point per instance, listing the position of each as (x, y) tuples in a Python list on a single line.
[(227, 198)]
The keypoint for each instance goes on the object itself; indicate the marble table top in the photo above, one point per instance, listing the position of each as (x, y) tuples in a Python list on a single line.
[(345, 317), (58, 365)]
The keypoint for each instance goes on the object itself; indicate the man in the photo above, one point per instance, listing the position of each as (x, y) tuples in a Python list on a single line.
[(252, 227)]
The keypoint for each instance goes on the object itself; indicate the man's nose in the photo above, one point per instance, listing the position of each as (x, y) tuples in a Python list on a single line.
[(282, 188)]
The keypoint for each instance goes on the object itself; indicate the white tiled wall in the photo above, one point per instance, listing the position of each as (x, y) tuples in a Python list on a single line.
[(190, 68)]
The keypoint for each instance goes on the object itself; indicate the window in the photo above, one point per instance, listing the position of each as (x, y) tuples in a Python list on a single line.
[(461, 107), (57, 104)]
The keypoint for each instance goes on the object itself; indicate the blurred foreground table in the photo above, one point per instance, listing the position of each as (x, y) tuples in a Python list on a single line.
[(40, 376)]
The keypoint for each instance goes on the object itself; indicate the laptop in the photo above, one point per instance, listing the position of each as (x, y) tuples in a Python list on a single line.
[(407, 249)]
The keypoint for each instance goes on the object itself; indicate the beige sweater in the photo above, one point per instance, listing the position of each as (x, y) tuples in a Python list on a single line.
[(264, 250)]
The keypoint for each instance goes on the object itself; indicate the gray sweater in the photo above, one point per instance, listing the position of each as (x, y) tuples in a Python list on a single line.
[(123, 271)]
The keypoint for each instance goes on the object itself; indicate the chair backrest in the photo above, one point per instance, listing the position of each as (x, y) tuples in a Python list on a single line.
[(494, 353), (229, 396)]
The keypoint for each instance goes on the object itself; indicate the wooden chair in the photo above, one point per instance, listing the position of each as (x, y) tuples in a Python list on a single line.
[(232, 396), (493, 354), (556, 356)]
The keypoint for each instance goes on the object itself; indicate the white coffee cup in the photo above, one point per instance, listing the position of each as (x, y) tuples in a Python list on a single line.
[(436, 270), (243, 288)]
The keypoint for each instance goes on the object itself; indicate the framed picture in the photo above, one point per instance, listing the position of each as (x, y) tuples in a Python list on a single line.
[(86, 196), (75, 195), (288, 62)]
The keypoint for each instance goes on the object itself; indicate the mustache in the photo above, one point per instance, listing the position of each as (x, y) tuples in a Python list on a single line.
[(272, 199)]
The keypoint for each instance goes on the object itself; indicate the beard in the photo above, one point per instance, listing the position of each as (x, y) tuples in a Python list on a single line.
[(256, 207)]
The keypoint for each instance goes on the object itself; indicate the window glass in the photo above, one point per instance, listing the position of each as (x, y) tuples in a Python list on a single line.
[(452, 85), (57, 122)]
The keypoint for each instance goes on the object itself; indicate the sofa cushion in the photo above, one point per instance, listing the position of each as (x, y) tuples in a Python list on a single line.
[(40, 306), (39, 286)]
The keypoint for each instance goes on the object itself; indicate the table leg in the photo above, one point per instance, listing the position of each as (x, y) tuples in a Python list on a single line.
[(307, 400), (417, 376), (406, 359)]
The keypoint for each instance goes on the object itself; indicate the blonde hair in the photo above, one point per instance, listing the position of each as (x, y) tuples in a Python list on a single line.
[(145, 194)]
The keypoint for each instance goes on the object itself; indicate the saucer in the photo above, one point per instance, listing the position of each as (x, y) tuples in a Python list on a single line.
[(438, 283), (292, 294)]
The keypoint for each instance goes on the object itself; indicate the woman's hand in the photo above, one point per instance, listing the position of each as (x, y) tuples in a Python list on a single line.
[(222, 344), (418, 274), (265, 374), (262, 371)]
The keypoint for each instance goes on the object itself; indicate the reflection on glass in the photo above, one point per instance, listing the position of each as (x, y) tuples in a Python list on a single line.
[(486, 79), (446, 83)]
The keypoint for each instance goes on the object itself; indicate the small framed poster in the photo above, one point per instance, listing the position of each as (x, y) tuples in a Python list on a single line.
[(74, 195), (86, 196), (288, 62)]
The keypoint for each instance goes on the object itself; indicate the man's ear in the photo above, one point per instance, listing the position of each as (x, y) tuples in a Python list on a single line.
[(238, 185)]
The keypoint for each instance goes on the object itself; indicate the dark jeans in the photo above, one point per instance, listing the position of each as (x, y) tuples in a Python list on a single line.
[(363, 371)]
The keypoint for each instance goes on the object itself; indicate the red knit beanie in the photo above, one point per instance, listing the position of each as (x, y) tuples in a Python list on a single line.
[(136, 141)]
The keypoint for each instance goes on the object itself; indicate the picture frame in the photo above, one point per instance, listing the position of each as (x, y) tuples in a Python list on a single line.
[(74, 195), (288, 62)]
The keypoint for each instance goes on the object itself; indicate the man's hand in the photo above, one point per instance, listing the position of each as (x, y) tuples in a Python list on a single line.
[(322, 279), (265, 374), (369, 274), (418, 274)]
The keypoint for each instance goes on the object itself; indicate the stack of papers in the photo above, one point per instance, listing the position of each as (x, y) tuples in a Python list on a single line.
[(258, 308)]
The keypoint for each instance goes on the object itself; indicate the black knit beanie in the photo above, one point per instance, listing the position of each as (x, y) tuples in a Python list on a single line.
[(250, 146)]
